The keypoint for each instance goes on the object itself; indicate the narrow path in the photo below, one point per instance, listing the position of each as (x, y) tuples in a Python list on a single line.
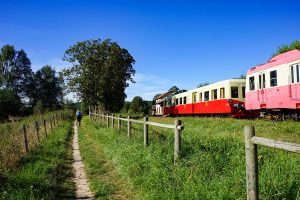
[(82, 187)]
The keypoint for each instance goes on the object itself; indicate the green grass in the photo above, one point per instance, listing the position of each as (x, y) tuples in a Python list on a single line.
[(212, 164), (45, 172), (104, 179), (12, 138)]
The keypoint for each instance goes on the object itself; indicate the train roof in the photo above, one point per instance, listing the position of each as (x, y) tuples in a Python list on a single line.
[(217, 84), (280, 59)]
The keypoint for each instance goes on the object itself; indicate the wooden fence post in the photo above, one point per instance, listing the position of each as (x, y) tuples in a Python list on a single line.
[(251, 164), (112, 120), (25, 138), (45, 128), (177, 140), (107, 120), (119, 122), (51, 124), (37, 131), (146, 136), (128, 127)]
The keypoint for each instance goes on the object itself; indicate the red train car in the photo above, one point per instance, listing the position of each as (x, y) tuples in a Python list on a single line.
[(221, 98)]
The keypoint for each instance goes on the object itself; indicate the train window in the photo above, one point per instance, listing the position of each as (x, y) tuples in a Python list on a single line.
[(176, 101), (262, 81), (273, 78), (251, 83), (214, 94), (297, 71), (222, 93), (243, 91), (206, 96), (234, 92), (184, 100), (180, 100), (200, 96), (292, 74)]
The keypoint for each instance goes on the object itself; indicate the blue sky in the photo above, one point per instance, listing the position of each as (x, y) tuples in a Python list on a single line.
[(181, 43)]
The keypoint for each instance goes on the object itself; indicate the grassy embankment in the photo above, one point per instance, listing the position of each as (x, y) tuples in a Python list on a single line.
[(212, 164), (45, 172), (12, 138)]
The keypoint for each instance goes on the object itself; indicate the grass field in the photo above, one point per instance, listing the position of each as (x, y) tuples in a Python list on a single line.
[(212, 164), (44, 173), (12, 138)]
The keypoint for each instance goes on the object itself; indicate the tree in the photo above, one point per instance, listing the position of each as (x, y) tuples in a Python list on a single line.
[(126, 107), (285, 48), (202, 84), (48, 88), (174, 89), (22, 75), (100, 72), (15, 73), (7, 56), (137, 105), (10, 104)]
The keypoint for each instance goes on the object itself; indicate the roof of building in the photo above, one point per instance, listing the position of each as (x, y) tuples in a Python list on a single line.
[(163, 95), (280, 59)]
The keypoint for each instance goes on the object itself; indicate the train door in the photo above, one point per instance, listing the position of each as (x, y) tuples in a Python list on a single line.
[(295, 81), (194, 100), (261, 87)]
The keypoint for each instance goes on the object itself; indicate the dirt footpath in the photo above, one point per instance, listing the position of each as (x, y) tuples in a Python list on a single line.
[(82, 187)]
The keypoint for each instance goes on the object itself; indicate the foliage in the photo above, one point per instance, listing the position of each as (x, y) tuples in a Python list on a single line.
[(10, 104), (126, 107), (211, 149), (202, 84), (44, 173), (285, 48), (137, 105), (174, 89), (38, 109), (47, 88), (15, 73), (100, 72)]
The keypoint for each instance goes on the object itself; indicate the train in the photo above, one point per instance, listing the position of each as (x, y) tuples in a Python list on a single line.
[(269, 89)]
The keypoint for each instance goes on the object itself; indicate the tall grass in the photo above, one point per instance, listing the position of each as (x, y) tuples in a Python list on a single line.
[(45, 172), (12, 138), (213, 159)]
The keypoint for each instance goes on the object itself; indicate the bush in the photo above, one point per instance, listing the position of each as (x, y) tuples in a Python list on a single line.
[(10, 104)]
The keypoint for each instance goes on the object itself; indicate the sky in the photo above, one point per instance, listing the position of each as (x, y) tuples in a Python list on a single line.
[(182, 43)]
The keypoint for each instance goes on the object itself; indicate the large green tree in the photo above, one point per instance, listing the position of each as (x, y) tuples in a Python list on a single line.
[(15, 73), (285, 47), (100, 72), (47, 88)]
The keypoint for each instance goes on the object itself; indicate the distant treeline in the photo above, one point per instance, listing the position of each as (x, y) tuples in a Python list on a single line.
[(23, 91)]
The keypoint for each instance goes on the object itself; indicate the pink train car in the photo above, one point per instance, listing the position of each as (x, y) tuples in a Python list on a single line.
[(275, 85)]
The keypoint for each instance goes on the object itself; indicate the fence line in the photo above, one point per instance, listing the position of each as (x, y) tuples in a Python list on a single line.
[(53, 122), (251, 142), (176, 126)]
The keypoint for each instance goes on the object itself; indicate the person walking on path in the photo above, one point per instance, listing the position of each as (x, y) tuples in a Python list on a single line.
[(78, 117)]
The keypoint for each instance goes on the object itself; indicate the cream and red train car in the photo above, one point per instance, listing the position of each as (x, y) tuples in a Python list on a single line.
[(275, 85), (221, 98)]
